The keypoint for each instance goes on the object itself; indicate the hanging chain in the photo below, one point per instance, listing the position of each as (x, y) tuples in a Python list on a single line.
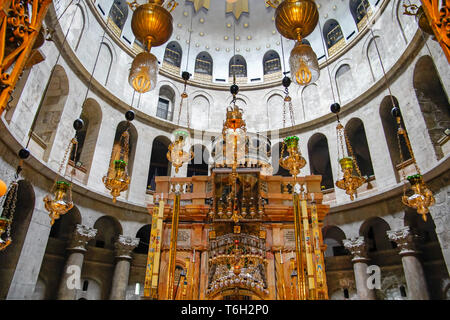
[(291, 111), (187, 111), (284, 114), (350, 151), (401, 156), (64, 160), (11, 205)]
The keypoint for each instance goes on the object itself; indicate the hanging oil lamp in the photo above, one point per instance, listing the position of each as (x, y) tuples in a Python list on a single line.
[(422, 197), (117, 179), (179, 150), (294, 161), (59, 201), (152, 24), (296, 19), (349, 181)]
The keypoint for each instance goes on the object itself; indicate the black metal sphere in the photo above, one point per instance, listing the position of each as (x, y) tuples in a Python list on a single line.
[(78, 124), (395, 112), (185, 75), (286, 81), (129, 115), (234, 89), (335, 107), (24, 153)]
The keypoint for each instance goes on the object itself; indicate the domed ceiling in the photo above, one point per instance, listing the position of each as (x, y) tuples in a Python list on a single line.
[(250, 22)]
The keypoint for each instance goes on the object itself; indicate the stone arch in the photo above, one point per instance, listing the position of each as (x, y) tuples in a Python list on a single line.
[(425, 229), (49, 113), (204, 64), (373, 59), (132, 144), (15, 95), (166, 103), (198, 166), (359, 9), (78, 27), (374, 232), (200, 107), (310, 100), (91, 289), (275, 111), (143, 235), (332, 33), (333, 237), (64, 227), (19, 228), (237, 66), (390, 132), (118, 15), (319, 159), (91, 115), (344, 82), (159, 165), (108, 231), (173, 54), (433, 101), (271, 62), (358, 140), (104, 64)]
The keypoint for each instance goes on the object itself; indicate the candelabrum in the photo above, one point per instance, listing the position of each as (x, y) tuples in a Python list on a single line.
[(179, 150), (294, 161), (117, 179)]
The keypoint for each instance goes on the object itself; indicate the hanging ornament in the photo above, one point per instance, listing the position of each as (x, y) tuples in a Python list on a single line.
[(304, 64), (184, 99), (422, 198), (152, 24), (287, 104), (179, 150), (349, 181), (117, 179), (59, 201), (294, 161)]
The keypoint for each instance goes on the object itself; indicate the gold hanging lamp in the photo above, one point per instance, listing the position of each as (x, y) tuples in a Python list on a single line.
[(294, 161), (296, 19), (179, 150), (117, 179), (422, 197), (349, 181), (152, 24)]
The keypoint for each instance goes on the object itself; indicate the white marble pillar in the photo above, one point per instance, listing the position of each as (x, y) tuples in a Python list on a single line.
[(70, 280), (412, 267), (124, 246), (357, 248)]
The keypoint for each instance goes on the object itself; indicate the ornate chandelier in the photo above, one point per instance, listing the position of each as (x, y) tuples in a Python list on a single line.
[(296, 19), (422, 198), (152, 25), (294, 161), (349, 181), (117, 178), (179, 150)]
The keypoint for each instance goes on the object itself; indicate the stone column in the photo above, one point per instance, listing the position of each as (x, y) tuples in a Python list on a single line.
[(412, 268), (70, 280), (124, 246), (357, 248)]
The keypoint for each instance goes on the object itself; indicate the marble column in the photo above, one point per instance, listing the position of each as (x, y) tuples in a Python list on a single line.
[(70, 280), (358, 249), (412, 267), (123, 248)]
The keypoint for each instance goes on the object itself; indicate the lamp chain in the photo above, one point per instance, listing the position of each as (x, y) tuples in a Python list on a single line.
[(11, 205)]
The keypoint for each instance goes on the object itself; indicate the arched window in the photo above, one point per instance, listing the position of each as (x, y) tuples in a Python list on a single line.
[(108, 231), (144, 237), (159, 165), (238, 67), (173, 54), (49, 114), (357, 137), (271, 62), (374, 232), (203, 64), (360, 9), (166, 102), (22, 217), (425, 229), (390, 132), (433, 102), (198, 166), (334, 38), (118, 15), (319, 159), (344, 83), (333, 237), (64, 227)]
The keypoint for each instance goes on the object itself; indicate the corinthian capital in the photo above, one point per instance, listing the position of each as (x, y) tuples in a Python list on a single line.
[(357, 248), (81, 237), (405, 239), (124, 245)]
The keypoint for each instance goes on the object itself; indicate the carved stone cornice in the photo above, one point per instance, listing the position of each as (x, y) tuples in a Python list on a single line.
[(357, 248), (405, 239), (124, 245), (81, 236)]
